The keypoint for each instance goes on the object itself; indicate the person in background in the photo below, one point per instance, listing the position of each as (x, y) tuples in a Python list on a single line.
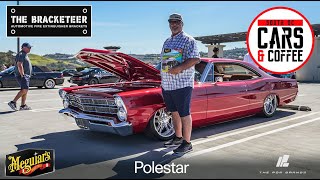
[(215, 52), (23, 69)]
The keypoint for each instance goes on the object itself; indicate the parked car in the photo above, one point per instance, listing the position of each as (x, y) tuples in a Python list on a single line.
[(41, 77), (69, 72), (93, 75), (224, 89)]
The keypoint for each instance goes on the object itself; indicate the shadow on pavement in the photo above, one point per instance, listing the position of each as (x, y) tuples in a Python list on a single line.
[(84, 147), (7, 112)]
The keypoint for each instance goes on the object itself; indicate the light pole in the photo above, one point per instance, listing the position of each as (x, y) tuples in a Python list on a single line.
[(18, 39)]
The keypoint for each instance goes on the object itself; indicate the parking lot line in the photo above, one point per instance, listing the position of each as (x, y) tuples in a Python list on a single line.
[(243, 131), (253, 128), (46, 109), (248, 138)]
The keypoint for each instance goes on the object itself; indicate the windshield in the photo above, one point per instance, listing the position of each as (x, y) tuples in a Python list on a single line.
[(9, 70), (87, 70)]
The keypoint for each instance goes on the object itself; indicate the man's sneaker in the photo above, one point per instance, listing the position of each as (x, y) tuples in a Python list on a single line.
[(176, 141), (183, 148), (13, 105), (25, 107)]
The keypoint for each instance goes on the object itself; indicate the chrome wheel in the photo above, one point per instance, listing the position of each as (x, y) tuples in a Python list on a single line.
[(49, 84), (162, 121), (270, 104)]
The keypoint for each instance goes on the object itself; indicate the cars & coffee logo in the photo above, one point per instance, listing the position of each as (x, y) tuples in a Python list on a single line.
[(283, 161), (280, 40), (30, 162)]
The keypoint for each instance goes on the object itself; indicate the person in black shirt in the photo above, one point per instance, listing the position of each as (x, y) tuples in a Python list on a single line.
[(215, 52)]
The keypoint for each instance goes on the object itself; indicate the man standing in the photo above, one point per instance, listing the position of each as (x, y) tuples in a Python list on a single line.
[(23, 69), (215, 52), (178, 57)]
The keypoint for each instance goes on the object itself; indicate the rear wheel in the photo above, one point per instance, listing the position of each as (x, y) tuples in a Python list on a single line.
[(49, 84), (270, 105), (0, 84), (161, 125), (93, 81)]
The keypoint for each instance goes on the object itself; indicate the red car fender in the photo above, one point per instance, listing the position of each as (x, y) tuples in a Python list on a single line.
[(141, 106)]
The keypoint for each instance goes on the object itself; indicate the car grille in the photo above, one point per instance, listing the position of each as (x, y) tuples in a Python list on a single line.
[(93, 104)]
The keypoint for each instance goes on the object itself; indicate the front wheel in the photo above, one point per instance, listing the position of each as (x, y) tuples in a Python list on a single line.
[(49, 84), (270, 105), (161, 125)]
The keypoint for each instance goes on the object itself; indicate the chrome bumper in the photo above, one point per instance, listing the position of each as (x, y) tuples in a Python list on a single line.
[(98, 123)]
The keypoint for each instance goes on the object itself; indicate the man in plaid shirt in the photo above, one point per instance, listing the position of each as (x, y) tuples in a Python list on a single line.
[(178, 58)]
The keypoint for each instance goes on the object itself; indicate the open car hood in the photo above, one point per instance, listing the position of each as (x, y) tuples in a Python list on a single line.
[(120, 64)]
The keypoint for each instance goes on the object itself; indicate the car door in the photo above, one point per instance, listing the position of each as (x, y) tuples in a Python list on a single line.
[(199, 100), (227, 98), (37, 77)]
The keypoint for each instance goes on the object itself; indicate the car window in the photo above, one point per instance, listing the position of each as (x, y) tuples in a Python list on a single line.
[(36, 69), (232, 72), (199, 69)]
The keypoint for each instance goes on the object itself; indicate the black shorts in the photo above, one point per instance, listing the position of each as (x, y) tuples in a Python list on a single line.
[(23, 81), (178, 100)]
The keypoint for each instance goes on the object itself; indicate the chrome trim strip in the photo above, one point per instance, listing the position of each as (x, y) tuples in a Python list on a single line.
[(77, 115)]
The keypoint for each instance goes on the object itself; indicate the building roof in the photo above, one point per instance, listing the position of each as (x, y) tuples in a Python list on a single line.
[(239, 36)]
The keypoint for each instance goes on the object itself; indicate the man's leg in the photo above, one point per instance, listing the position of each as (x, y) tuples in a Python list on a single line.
[(24, 97), (176, 120), (184, 99), (187, 127), (177, 123), (18, 96)]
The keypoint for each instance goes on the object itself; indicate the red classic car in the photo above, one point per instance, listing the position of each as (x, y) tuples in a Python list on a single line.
[(224, 89)]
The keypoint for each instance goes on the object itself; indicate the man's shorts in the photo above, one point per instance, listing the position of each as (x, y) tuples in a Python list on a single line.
[(178, 100), (23, 81)]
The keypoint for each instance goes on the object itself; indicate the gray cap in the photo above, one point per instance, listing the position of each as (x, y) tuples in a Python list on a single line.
[(175, 17)]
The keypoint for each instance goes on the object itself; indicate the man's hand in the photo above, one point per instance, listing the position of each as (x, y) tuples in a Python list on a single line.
[(175, 70)]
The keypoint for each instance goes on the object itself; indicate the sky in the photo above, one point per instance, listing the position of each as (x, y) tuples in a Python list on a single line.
[(141, 27)]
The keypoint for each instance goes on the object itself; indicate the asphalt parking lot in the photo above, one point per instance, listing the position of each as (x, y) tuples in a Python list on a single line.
[(245, 148)]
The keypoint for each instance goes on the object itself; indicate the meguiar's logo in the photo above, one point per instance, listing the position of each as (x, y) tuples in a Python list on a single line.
[(30, 162)]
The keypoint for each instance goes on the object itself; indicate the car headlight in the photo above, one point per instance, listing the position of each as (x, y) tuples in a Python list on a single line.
[(122, 114), (62, 94), (122, 111)]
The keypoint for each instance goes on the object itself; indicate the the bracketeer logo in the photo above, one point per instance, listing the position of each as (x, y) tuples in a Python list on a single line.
[(30, 162), (280, 40)]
